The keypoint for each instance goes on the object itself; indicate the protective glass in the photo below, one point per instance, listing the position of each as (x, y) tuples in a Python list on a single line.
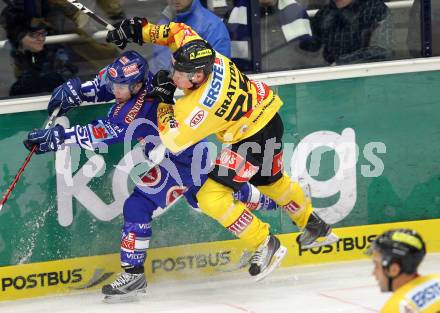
[(180, 74), (119, 88)]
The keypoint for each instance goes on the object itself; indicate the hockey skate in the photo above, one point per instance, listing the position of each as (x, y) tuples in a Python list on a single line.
[(317, 233), (125, 288), (267, 258)]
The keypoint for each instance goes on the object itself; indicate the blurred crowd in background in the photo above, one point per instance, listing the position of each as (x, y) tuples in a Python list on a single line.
[(45, 42)]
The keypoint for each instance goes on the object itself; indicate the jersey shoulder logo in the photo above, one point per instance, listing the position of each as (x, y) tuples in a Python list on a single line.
[(215, 84), (426, 294)]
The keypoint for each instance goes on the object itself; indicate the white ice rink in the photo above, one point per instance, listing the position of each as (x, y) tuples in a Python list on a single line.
[(331, 288)]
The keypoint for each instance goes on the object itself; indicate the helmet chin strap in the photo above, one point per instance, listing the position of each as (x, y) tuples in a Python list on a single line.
[(390, 283), (391, 279), (190, 78)]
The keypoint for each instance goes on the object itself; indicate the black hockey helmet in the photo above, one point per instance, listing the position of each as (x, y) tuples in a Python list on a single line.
[(403, 246), (193, 56)]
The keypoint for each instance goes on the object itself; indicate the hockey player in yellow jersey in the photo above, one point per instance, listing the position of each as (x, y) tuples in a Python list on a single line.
[(396, 256), (243, 114)]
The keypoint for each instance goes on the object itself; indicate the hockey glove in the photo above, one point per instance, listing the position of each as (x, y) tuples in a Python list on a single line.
[(47, 140), (163, 87), (66, 96), (129, 30)]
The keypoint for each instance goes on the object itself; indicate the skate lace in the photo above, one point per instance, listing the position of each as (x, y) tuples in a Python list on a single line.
[(121, 280), (259, 255), (313, 223)]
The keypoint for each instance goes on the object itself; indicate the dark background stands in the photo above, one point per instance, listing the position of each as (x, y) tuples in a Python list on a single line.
[(414, 38), (358, 32), (37, 68)]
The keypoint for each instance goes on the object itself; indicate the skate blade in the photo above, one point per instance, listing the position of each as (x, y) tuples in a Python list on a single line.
[(323, 241), (276, 260), (129, 297)]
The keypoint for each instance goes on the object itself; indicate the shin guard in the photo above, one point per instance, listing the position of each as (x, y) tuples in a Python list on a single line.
[(134, 244)]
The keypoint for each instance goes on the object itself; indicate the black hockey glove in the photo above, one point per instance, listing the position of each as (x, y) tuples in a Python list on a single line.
[(47, 140), (163, 87), (66, 96), (129, 30)]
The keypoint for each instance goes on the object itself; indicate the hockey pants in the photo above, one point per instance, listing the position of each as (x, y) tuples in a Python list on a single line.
[(237, 165)]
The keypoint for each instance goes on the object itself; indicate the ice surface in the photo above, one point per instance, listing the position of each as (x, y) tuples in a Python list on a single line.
[(331, 288)]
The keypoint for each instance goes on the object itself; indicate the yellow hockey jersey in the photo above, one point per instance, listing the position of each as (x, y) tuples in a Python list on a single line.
[(227, 104), (421, 295)]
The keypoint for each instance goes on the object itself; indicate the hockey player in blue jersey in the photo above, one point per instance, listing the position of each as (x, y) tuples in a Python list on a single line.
[(137, 95)]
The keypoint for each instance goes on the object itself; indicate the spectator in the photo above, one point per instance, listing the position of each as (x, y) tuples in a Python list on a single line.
[(283, 25), (352, 31), (63, 18), (37, 68), (203, 21), (396, 255)]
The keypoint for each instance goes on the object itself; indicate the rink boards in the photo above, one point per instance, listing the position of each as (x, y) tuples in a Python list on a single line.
[(367, 146), (190, 261), (364, 137)]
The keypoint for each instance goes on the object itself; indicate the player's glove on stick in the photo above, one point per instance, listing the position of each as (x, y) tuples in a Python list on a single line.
[(66, 96), (47, 140), (128, 30), (163, 87)]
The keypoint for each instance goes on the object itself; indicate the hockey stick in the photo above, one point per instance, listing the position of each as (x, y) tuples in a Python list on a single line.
[(28, 158), (92, 14)]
